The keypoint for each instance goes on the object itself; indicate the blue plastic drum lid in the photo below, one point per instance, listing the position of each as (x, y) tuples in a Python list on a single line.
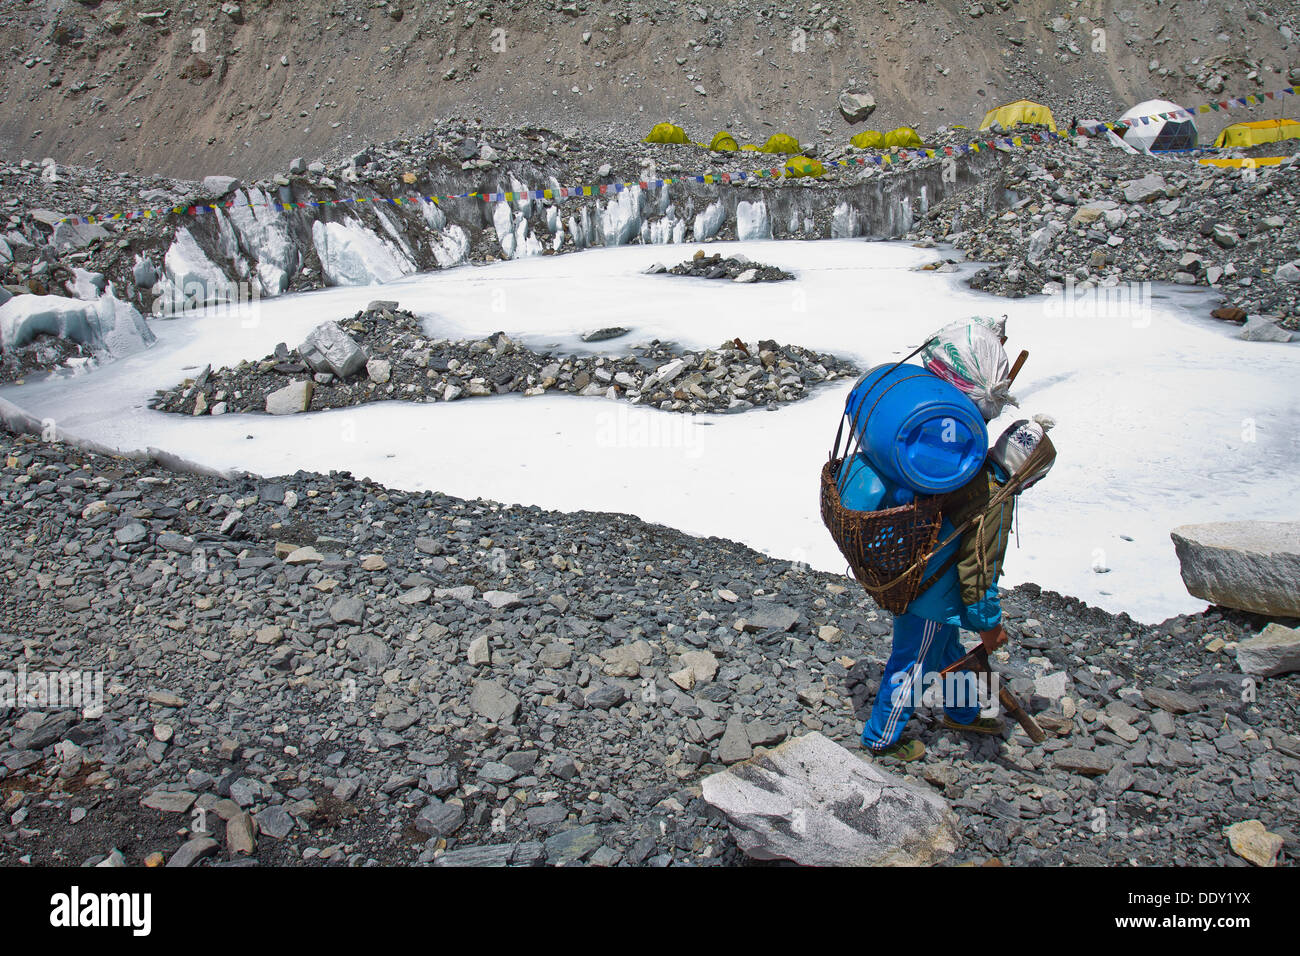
[(918, 431)]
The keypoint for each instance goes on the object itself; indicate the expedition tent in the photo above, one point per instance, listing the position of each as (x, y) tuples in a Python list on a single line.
[(902, 136), (780, 143), (869, 139), (667, 133), (1262, 131), (1021, 111), (1158, 125)]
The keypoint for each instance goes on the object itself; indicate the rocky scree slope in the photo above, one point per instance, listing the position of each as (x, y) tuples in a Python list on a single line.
[(190, 88), (337, 673)]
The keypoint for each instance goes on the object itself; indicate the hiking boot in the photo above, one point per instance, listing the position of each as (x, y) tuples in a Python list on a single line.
[(905, 751), (982, 725)]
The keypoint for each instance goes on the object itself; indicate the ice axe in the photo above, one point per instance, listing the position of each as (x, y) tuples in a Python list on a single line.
[(977, 661)]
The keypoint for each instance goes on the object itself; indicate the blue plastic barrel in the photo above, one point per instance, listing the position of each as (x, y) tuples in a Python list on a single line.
[(863, 489), (917, 430)]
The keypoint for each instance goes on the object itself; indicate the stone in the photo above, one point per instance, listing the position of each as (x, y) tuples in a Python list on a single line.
[(812, 801), (1173, 701), (440, 819), (307, 555), (855, 105), (275, 822), (602, 335), (169, 801), (702, 665), (492, 701), (1262, 328), (626, 660), (1083, 762), (1251, 841), (606, 696), (379, 371), (734, 746), (1247, 565), (765, 615), (290, 400), (572, 846), (328, 348), (555, 655), (1275, 650), (241, 835), (1149, 187), (192, 851), (480, 651), (347, 610), (1288, 273), (219, 186)]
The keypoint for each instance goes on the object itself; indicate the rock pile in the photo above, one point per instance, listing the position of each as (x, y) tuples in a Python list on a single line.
[(336, 673), (737, 268), (1084, 215), (383, 353)]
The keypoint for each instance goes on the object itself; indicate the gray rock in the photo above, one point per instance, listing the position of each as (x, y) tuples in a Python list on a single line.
[(572, 846), (1173, 701), (855, 105), (219, 186), (347, 610), (1275, 650), (241, 834), (1084, 762), (440, 819), (606, 696), (814, 802), (492, 701), (293, 398), (131, 533), (1248, 565), (275, 822), (477, 856), (601, 335), (1262, 328), (765, 616), (192, 851), (328, 348), (379, 371), (1149, 187), (497, 773), (734, 746), (169, 801), (370, 650)]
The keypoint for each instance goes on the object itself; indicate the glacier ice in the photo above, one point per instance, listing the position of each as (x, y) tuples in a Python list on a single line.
[(451, 248), (190, 278), (709, 222), (620, 220), (752, 221), (105, 324), (350, 254), (264, 235)]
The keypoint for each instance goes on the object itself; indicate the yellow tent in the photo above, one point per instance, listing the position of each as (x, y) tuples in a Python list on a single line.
[(1263, 131), (780, 143), (903, 136), (667, 133), (1021, 111), (869, 139), (803, 166), (724, 142), (749, 148)]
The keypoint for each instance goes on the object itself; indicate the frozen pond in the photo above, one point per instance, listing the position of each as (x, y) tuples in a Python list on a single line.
[(1164, 416)]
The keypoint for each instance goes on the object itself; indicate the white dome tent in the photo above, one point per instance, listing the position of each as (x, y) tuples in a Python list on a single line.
[(1149, 133)]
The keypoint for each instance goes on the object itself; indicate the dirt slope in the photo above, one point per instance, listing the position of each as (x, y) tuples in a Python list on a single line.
[(111, 82)]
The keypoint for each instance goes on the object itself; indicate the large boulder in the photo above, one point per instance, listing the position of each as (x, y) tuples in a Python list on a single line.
[(290, 400), (856, 104), (1248, 565), (1274, 650), (811, 801), (328, 348)]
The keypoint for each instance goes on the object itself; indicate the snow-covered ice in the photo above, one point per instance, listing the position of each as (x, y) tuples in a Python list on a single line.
[(105, 323), (1165, 417)]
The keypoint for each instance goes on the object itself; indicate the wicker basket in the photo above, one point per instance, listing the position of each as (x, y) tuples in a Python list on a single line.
[(884, 549)]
